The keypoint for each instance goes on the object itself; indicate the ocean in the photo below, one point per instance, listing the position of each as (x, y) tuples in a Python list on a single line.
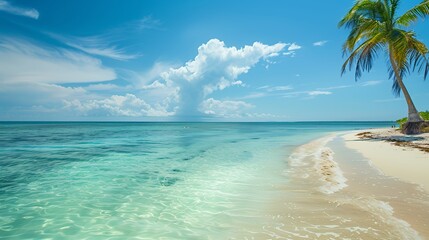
[(120, 180)]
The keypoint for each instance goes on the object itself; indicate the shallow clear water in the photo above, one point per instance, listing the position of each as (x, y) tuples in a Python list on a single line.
[(146, 180)]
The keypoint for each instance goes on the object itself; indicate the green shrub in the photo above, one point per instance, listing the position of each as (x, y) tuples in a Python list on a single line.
[(425, 116)]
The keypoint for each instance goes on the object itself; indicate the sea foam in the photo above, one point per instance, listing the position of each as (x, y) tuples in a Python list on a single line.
[(385, 212), (321, 158), (329, 171)]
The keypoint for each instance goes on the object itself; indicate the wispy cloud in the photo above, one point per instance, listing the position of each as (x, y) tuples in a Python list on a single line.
[(254, 95), (34, 74), (387, 100), (96, 45), (362, 84), (370, 83), (23, 61), (284, 91), (26, 12), (107, 44), (336, 87), (279, 91), (109, 52), (276, 88), (11, 94), (289, 53), (319, 43), (311, 94), (316, 93), (265, 91), (135, 28), (148, 22), (238, 83), (103, 87)]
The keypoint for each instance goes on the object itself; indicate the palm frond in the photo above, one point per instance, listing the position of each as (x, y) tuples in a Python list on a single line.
[(365, 29), (410, 55), (426, 72), (412, 15), (374, 23), (393, 7), (368, 9), (396, 89), (364, 56), (408, 50)]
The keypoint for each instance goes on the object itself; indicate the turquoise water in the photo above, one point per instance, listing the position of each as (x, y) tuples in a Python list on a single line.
[(146, 180)]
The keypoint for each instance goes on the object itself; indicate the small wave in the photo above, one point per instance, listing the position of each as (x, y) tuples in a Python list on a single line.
[(300, 154), (318, 155), (316, 162), (296, 158), (385, 213), (329, 171)]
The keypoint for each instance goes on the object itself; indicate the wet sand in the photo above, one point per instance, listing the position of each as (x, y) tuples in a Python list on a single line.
[(335, 193)]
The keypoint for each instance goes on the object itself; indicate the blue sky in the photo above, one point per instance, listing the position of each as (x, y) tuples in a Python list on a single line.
[(202, 60)]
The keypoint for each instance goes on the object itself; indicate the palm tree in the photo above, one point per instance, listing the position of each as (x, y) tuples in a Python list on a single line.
[(374, 27)]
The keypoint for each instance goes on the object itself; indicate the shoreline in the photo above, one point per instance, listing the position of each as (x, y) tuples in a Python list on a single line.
[(393, 154), (353, 193)]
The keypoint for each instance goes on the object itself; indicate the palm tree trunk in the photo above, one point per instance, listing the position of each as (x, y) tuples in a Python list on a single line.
[(414, 121)]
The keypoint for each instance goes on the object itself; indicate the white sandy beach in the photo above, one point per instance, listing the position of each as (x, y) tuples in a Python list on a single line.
[(394, 154)]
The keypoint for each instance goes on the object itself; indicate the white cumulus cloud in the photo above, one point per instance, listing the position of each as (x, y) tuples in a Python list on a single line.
[(291, 50), (215, 67), (127, 105), (40, 72), (293, 47), (224, 108)]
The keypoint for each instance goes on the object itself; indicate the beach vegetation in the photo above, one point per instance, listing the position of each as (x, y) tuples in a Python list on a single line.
[(375, 28), (423, 115)]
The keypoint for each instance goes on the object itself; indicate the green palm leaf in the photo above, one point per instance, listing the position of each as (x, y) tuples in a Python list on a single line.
[(412, 15), (375, 28)]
